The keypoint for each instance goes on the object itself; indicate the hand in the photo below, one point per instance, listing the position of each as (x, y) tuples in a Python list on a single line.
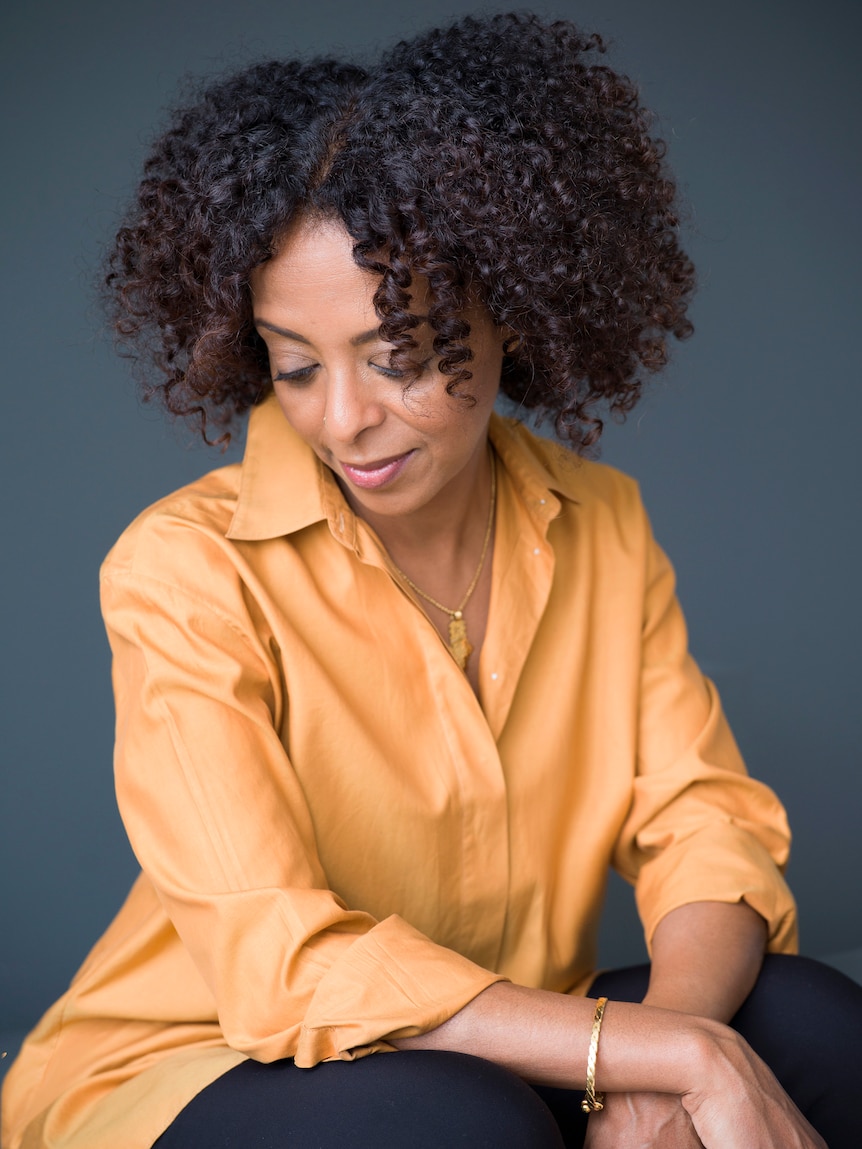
[(641, 1121), (738, 1103)]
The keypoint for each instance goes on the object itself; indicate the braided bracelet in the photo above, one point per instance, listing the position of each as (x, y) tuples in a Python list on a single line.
[(593, 1101)]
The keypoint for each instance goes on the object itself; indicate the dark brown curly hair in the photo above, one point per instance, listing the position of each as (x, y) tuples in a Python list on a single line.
[(495, 158)]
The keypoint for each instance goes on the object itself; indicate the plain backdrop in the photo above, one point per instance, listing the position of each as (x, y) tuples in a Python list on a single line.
[(747, 450)]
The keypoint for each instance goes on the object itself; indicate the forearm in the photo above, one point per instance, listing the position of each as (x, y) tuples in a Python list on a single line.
[(544, 1037), (705, 958), (645, 1052)]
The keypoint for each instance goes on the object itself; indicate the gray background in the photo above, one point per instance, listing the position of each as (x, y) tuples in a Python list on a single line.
[(747, 450)]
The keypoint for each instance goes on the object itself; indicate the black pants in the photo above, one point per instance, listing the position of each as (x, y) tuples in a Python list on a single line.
[(803, 1018)]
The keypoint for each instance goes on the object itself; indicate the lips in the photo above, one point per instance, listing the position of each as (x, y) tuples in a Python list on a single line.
[(377, 474)]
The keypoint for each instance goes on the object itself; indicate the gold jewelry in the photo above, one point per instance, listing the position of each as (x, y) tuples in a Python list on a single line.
[(593, 1102), (459, 644)]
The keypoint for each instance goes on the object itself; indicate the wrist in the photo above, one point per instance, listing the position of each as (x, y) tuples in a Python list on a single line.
[(711, 1055), (697, 1054)]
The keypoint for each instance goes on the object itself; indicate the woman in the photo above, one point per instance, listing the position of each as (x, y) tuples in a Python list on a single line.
[(394, 693)]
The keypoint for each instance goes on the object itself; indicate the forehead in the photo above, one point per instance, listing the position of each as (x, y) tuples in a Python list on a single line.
[(313, 256), (312, 279)]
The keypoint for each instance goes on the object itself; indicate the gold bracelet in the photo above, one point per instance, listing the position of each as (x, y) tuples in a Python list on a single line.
[(593, 1101)]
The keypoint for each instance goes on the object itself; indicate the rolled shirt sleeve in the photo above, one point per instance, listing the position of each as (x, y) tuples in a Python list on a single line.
[(699, 828)]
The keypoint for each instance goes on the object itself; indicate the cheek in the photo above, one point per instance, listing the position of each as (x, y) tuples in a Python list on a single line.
[(300, 410), (440, 420)]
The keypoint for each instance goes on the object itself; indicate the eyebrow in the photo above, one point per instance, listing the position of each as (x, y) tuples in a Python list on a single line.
[(369, 336)]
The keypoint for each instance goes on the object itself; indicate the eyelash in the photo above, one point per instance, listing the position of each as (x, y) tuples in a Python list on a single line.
[(301, 375), (304, 374)]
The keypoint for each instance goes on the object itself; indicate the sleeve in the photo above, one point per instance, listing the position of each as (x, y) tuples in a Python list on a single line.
[(698, 828), (219, 824)]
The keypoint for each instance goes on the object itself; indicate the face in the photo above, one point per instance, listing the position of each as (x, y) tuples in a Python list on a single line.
[(395, 449)]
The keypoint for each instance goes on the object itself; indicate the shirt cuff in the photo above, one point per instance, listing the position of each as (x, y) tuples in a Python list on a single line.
[(391, 982), (720, 863)]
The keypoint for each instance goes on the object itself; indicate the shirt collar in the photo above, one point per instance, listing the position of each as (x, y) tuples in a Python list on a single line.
[(284, 487), (539, 468)]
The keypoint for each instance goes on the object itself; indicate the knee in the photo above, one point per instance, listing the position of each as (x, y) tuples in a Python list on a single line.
[(791, 986), (805, 1020), (456, 1098), (801, 1008)]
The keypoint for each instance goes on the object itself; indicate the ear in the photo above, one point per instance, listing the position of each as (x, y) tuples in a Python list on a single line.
[(511, 341)]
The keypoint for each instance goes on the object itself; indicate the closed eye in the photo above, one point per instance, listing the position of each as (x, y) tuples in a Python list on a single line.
[(300, 375), (411, 372)]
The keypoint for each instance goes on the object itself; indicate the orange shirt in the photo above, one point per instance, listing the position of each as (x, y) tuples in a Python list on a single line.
[(339, 842)]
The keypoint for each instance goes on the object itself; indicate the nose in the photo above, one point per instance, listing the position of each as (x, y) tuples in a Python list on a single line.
[(352, 406)]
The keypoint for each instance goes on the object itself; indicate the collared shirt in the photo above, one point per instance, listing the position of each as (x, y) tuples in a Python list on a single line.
[(340, 842)]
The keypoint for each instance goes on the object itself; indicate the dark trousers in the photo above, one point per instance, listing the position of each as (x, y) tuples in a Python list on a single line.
[(803, 1018)]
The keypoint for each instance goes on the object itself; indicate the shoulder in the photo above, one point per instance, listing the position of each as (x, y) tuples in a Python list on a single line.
[(179, 529)]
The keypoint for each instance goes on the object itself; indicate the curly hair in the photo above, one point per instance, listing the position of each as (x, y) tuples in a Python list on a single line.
[(494, 158)]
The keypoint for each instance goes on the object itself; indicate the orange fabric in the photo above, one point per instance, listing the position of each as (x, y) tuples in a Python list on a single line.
[(339, 843)]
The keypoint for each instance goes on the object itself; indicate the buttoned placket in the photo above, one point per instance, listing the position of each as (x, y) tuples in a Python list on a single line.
[(522, 574)]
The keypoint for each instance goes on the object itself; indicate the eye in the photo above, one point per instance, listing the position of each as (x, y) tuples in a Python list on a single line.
[(387, 371), (413, 371), (299, 375)]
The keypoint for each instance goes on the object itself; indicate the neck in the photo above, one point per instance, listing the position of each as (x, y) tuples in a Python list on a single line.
[(445, 560), (444, 530)]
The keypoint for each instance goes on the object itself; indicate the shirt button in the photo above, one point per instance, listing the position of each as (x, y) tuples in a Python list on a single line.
[(541, 502), (494, 676), (536, 551)]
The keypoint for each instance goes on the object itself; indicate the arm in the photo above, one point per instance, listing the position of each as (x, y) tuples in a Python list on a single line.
[(705, 959), (694, 843), (700, 837), (544, 1036), (218, 818), (730, 1096)]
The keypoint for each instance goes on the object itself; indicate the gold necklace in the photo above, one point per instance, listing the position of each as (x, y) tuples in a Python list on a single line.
[(459, 644)]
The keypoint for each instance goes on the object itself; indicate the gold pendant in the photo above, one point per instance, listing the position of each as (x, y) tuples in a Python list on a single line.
[(458, 642)]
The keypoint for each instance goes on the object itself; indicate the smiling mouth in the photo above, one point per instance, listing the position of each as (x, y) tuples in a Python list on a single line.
[(376, 474)]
